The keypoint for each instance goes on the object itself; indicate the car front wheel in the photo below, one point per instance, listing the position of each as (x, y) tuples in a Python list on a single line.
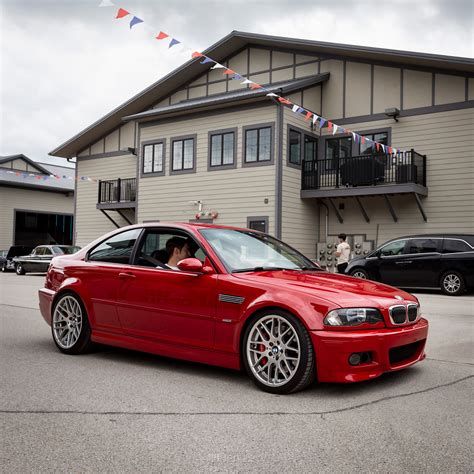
[(70, 325), (359, 273), (452, 283), (19, 269), (278, 353)]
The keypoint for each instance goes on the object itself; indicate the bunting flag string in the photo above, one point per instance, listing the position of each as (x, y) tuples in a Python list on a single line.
[(309, 115), (44, 177)]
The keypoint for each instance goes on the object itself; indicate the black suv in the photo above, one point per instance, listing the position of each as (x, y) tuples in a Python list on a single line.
[(432, 261)]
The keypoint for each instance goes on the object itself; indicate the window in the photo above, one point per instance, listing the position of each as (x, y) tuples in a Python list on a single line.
[(38, 251), (295, 147), (453, 246), (222, 149), (369, 148), (337, 149), (394, 248), (423, 246), (258, 223), (310, 148), (258, 145), (117, 249), (183, 154), (47, 251), (153, 158)]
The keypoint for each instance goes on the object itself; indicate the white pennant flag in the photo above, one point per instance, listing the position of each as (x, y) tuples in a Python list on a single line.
[(106, 3), (247, 81), (295, 108), (334, 129), (272, 94), (217, 66), (315, 119), (383, 148)]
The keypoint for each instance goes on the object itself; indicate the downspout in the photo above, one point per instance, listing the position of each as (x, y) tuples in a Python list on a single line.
[(279, 174)]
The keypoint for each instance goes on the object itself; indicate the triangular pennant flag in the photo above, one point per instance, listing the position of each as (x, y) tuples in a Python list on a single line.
[(334, 130), (330, 126), (228, 72), (301, 110), (247, 81), (295, 108), (255, 86), (377, 146), (173, 42), (217, 66), (135, 20), (271, 94), (383, 148), (322, 122), (236, 77), (106, 3), (121, 13), (308, 115), (284, 101), (206, 60), (315, 118), (390, 149), (362, 139), (197, 55)]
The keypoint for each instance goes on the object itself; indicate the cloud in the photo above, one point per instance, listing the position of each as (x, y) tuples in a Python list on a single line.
[(66, 63)]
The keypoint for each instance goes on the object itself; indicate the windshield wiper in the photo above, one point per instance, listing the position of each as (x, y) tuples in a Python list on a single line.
[(261, 269)]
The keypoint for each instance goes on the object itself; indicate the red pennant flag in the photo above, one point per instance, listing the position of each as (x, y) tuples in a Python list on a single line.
[(308, 115), (197, 55), (390, 149), (329, 126), (377, 145), (162, 36), (362, 139), (284, 101), (255, 86), (229, 72), (121, 13)]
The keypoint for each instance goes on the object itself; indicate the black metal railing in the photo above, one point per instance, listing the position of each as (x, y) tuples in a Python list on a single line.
[(365, 170), (117, 190)]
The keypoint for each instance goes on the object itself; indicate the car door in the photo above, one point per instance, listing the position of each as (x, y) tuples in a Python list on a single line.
[(30, 262), (167, 305), (392, 262), (100, 280), (43, 263), (422, 262)]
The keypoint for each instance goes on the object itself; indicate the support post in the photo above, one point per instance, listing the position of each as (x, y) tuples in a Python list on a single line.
[(110, 219), (362, 209), (338, 215), (390, 208), (420, 207)]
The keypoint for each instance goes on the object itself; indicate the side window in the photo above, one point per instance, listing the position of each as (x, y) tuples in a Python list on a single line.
[(258, 223), (394, 248), (453, 246), (423, 246), (116, 249), (47, 251), (38, 251), (295, 147)]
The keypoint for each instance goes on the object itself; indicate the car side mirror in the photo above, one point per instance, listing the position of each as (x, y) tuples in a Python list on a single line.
[(193, 265)]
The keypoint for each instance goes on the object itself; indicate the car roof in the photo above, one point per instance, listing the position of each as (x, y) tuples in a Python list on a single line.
[(188, 225), (469, 238)]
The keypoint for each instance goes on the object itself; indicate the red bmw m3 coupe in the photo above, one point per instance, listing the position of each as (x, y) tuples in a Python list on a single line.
[(231, 297)]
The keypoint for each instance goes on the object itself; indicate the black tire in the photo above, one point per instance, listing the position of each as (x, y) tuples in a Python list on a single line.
[(19, 269), (358, 272), (304, 370), (83, 344), (452, 283)]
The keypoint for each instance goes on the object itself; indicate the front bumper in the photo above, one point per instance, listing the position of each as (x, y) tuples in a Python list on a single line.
[(333, 349)]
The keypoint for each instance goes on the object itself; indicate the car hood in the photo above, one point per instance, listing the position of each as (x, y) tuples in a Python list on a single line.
[(341, 290)]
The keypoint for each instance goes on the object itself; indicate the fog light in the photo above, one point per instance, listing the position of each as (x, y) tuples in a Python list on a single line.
[(354, 359)]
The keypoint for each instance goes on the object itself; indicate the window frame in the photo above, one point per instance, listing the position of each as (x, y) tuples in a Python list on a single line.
[(150, 174), (387, 130), (303, 133), (183, 138), (221, 132), (259, 126), (340, 136), (251, 219)]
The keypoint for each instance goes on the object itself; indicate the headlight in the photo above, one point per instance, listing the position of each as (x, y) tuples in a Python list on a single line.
[(353, 317)]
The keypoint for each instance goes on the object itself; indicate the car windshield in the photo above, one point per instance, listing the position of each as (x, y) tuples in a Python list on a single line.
[(65, 250), (245, 251)]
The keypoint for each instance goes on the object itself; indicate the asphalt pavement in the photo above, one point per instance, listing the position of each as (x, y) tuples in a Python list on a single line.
[(121, 411)]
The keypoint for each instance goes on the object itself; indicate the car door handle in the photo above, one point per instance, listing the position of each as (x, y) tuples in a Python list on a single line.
[(405, 262), (125, 276)]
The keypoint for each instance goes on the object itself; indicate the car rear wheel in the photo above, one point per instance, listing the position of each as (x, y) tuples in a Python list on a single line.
[(359, 273), (277, 352), (70, 325), (19, 269), (452, 283)]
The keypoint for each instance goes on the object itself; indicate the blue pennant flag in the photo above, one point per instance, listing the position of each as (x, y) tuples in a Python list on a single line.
[(134, 21), (237, 77), (300, 110), (323, 121), (173, 42), (206, 60)]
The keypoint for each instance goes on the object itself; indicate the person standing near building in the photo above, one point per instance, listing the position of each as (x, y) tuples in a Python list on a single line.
[(343, 252)]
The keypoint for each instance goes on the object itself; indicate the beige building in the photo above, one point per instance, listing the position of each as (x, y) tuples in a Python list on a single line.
[(34, 210), (197, 140)]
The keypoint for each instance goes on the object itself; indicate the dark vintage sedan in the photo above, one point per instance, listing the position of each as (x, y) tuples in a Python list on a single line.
[(7, 256), (39, 259), (432, 261)]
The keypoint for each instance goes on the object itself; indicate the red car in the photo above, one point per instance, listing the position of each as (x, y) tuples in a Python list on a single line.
[(230, 297)]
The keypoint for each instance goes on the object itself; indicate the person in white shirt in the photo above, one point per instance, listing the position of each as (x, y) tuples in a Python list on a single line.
[(343, 252)]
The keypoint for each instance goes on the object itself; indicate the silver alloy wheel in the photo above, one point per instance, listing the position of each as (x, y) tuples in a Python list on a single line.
[(273, 350), (359, 275), (67, 322), (452, 283)]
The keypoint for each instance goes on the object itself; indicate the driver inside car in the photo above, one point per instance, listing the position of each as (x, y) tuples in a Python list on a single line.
[(177, 249)]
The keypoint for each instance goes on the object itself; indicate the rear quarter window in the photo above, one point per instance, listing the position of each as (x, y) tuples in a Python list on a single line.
[(455, 246)]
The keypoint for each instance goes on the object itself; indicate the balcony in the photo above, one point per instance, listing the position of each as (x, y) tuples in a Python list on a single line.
[(367, 175), (117, 194)]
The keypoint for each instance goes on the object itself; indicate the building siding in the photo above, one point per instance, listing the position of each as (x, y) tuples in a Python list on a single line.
[(30, 200), (90, 222), (233, 193)]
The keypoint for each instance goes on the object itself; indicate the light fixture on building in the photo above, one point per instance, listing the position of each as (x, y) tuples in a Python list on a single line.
[(131, 150), (393, 112)]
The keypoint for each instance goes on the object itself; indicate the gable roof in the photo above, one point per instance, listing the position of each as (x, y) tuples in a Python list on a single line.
[(232, 43), (10, 158)]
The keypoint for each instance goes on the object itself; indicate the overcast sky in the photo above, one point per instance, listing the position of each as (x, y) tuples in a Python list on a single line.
[(66, 63)]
